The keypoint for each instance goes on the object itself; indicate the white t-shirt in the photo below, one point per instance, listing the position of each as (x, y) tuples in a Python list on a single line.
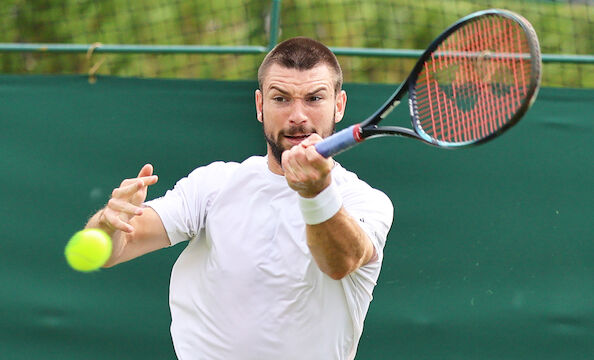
[(246, 286)]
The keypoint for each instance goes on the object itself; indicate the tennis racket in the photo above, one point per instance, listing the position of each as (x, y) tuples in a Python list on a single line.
[(474, 82)]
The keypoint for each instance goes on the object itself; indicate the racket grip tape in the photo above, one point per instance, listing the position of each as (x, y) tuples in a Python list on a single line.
[(340, 141)]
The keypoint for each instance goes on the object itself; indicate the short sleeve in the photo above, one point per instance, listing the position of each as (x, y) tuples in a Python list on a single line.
[(184, 208), (373, 211)]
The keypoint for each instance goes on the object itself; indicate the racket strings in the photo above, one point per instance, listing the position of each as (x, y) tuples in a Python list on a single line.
[(475, 81)]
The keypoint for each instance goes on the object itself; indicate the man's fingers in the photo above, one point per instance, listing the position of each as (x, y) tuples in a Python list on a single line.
[(306, 162), (317, 160), (146, 181), (147, 170), (306, 171), (112, 220), (123, 206), (311, 140), (290, 164), (131, 186), (149, 180), (124, 201), (127, 190)]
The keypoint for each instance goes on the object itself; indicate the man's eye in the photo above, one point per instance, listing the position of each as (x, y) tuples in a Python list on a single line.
[(279, 99), (315, 98)]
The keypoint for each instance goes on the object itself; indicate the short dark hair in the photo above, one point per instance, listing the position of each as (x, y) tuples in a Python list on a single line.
[(301, 53)]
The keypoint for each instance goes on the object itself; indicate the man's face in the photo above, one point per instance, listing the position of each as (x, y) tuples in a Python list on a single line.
[(294, 104)]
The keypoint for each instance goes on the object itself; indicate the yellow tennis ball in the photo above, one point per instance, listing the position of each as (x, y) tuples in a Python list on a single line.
[(88, 250)]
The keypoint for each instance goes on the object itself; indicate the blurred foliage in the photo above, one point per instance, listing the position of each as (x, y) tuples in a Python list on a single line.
[(564, 27)]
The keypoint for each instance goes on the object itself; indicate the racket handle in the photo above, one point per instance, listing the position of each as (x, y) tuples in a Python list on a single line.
[(340, 141)]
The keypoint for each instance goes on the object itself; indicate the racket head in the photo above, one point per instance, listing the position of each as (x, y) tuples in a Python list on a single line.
[(476, 80)]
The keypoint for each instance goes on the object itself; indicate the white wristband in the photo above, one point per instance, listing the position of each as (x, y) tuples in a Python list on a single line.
[(322, 207)]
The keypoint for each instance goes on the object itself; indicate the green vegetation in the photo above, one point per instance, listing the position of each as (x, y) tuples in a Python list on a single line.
[(564, 27)]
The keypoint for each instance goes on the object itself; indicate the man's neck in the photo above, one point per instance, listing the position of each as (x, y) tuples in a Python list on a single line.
[(273, 165)]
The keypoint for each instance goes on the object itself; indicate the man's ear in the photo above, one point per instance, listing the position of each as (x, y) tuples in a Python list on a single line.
[(340, 106), (259, 104)]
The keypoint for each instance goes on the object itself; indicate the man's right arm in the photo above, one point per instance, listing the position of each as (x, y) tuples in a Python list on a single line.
[(134, 230)]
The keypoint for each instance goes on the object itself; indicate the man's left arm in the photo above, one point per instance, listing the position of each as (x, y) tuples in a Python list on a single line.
[(339, 245), (337, 242)]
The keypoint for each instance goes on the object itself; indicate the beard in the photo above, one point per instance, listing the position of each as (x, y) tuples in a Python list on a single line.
[(277, 148)]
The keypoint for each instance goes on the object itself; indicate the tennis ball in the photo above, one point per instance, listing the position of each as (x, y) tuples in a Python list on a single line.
[(88, 250)]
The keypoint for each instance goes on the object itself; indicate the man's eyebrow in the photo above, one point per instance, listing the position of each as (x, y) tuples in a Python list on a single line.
[(313, 92), (317, 90), (274, 87)]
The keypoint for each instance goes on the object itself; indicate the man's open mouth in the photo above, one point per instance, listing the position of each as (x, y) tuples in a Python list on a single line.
[(297, 137)]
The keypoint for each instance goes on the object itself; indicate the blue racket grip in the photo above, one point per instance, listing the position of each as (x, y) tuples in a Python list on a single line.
[(339, 142)]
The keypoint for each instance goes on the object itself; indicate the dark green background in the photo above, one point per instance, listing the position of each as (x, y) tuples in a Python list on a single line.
[(490, 256)]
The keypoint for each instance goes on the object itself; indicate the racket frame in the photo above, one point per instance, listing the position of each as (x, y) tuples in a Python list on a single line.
[(369, 128)]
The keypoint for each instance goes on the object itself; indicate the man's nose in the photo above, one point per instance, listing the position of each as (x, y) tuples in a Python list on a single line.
[(298, 113)]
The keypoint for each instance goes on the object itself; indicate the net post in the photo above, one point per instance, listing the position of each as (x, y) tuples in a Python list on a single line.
[(274, 24)]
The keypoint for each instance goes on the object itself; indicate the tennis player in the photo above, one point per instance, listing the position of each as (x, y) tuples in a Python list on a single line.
[(283, 250)]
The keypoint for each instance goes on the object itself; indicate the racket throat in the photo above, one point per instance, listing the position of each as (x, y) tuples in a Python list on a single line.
[(389, 109), (377, 131), (358, 133)]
